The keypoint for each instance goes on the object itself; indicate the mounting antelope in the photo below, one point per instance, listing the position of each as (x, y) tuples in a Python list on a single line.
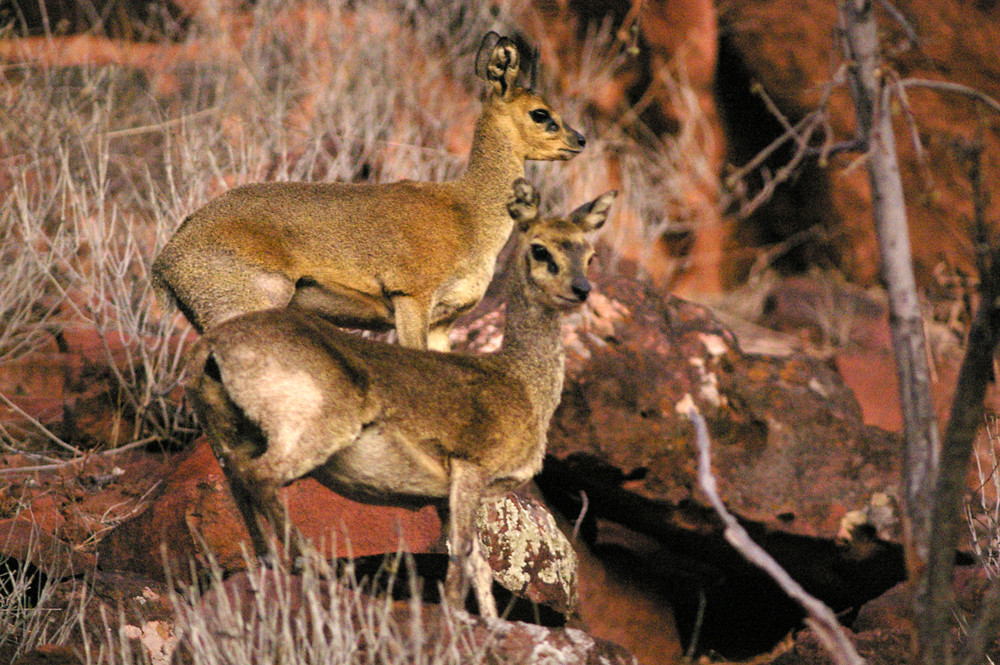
[(283, 393), (409, 255)]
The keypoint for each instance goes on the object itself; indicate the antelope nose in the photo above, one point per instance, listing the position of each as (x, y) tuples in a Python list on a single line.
[(581, 140), (581, 288)]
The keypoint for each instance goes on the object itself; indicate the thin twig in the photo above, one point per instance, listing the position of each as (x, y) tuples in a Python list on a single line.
[(820, 617), (802, 133), (949, 86), (911, 123), (581, 516), (38, 425), (83, 457), (897, 15), (155, 127), (759, 90)]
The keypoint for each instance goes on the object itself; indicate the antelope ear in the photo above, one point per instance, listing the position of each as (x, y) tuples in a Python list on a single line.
[(498, 63), (591, 216), (523, 204)]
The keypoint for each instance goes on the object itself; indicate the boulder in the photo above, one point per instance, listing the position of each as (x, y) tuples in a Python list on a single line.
[(528, 553), (194, 514), (790, 447), (813, 483)]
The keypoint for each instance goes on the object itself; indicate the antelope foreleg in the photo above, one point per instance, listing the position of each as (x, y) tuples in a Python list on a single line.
[(466, 563)]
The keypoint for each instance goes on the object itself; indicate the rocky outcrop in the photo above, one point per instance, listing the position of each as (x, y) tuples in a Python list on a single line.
[(794, 459), (790, 446)]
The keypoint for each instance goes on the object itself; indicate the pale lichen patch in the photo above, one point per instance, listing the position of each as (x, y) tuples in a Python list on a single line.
[(531, 545)]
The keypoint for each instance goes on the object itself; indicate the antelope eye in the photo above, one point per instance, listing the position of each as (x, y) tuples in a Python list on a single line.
[(540, 254), (540, 115)]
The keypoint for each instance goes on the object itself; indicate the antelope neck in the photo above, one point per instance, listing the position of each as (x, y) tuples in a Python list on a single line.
[(532, 347)]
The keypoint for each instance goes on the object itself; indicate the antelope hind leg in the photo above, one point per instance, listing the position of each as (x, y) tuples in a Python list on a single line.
[(342, 306), (247, 505)]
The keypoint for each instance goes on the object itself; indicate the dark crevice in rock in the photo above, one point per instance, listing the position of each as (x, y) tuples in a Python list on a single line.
[(425, 573), (796, 205), (745, 612)]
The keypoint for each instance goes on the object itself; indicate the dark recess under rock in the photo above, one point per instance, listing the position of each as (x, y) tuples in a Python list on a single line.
[(745, 613)]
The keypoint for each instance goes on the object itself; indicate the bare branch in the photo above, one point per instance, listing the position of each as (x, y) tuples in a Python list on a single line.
[(949, 86), (763, 155), (42, 428), (758, 89), (820, 617), (911, 123), (860, 42), (905, 24), (802, 133)]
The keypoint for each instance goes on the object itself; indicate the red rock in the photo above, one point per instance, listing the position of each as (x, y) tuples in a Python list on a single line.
[(788, 49), (786, 432), (882, 632), (625, 612), (46, 513), (27, 541), (51, 654), (872, 377)]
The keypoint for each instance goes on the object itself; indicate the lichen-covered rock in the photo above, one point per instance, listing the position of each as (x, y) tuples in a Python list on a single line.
[(528, 553)]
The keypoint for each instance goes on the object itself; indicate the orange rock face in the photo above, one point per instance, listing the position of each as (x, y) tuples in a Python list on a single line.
[(789, 49)]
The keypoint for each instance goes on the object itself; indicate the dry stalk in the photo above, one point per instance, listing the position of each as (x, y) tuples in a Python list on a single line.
[(819, 617)]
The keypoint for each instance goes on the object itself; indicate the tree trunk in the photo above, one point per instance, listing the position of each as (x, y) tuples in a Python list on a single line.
[(859, 37)]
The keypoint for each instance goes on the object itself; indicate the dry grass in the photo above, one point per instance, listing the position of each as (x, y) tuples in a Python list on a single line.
[(982, 508), (310, 619), (29, 613)]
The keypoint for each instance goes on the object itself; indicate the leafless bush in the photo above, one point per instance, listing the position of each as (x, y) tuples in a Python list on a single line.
[(29, 617), (982, 508), (316, 619)]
